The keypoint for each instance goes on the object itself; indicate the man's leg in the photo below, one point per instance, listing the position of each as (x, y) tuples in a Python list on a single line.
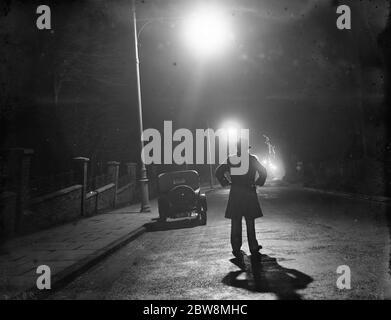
[(251, 236), (236, 234)]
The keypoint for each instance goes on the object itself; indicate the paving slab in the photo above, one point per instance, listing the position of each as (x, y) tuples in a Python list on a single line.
[(67, 249)]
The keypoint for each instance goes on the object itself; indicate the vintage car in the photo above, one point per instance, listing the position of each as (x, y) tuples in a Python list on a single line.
[(180, 196)]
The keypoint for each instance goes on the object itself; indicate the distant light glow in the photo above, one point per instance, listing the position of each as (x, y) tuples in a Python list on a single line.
[(269, 165), (274, 167), (231, 129), (232, 132), (207, 31)]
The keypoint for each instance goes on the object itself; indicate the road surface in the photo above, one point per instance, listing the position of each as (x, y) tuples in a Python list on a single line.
[(306, 236)]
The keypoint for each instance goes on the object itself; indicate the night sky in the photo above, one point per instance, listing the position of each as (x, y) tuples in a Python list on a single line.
[(289, 73)]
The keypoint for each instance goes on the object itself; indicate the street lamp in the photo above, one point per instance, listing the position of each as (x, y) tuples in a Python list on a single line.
[(232, 132), (207, 32), (211, 179), (145, 206)]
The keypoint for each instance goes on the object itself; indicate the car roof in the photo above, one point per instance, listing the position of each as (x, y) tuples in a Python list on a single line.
[(169, 180)]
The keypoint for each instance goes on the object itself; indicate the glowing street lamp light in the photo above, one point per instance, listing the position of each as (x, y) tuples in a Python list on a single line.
[(231, 128), (232, 132), (207, 31)]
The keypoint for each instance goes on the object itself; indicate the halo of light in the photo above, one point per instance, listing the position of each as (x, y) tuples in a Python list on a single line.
[(231, 129), (206, 31)]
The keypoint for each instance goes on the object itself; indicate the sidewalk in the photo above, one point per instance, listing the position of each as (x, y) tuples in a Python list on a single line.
[(348, 195), (68, 249)]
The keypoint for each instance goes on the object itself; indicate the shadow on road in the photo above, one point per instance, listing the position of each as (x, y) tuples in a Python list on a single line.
[(264, 274), (171, 225)]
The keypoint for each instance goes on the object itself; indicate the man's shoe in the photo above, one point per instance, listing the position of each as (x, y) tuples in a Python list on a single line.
[(238, 254), (254, 252)]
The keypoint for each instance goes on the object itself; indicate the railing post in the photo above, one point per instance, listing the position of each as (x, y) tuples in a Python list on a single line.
[(131, 169), (113, 171), (84, 167)]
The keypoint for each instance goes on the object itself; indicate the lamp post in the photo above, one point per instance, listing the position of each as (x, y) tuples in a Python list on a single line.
[(145, 206), (207, 31), (211, 181)]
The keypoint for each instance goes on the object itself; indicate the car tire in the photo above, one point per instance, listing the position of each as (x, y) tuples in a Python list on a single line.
[(203, 217), (162, 211)]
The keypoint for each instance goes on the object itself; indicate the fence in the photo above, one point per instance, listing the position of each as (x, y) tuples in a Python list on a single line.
[(47, 184), (124, 180), (29, 204), (98, 181)]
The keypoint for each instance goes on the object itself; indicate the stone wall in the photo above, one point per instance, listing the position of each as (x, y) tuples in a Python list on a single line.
[(7, 214), (52, 209), (64, 206), (21, 214), (100, 199), (126, 194)]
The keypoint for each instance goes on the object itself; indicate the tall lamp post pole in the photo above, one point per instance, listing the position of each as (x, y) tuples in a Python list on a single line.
[(145, 207), (210, 160), (197, 29)]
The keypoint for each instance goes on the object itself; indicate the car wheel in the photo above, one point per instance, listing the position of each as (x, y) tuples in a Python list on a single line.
[(203, 218), (202, 213), (162, 210)]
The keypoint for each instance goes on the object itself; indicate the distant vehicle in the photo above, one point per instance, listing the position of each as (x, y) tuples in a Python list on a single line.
[(180, 196)]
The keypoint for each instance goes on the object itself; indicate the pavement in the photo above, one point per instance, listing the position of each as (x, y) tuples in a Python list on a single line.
[(306, 236), (66, 249), (127, 255), (69, 250), (349, 195)]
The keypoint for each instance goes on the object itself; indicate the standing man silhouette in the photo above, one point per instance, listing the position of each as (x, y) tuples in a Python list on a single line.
[(243, 200)]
